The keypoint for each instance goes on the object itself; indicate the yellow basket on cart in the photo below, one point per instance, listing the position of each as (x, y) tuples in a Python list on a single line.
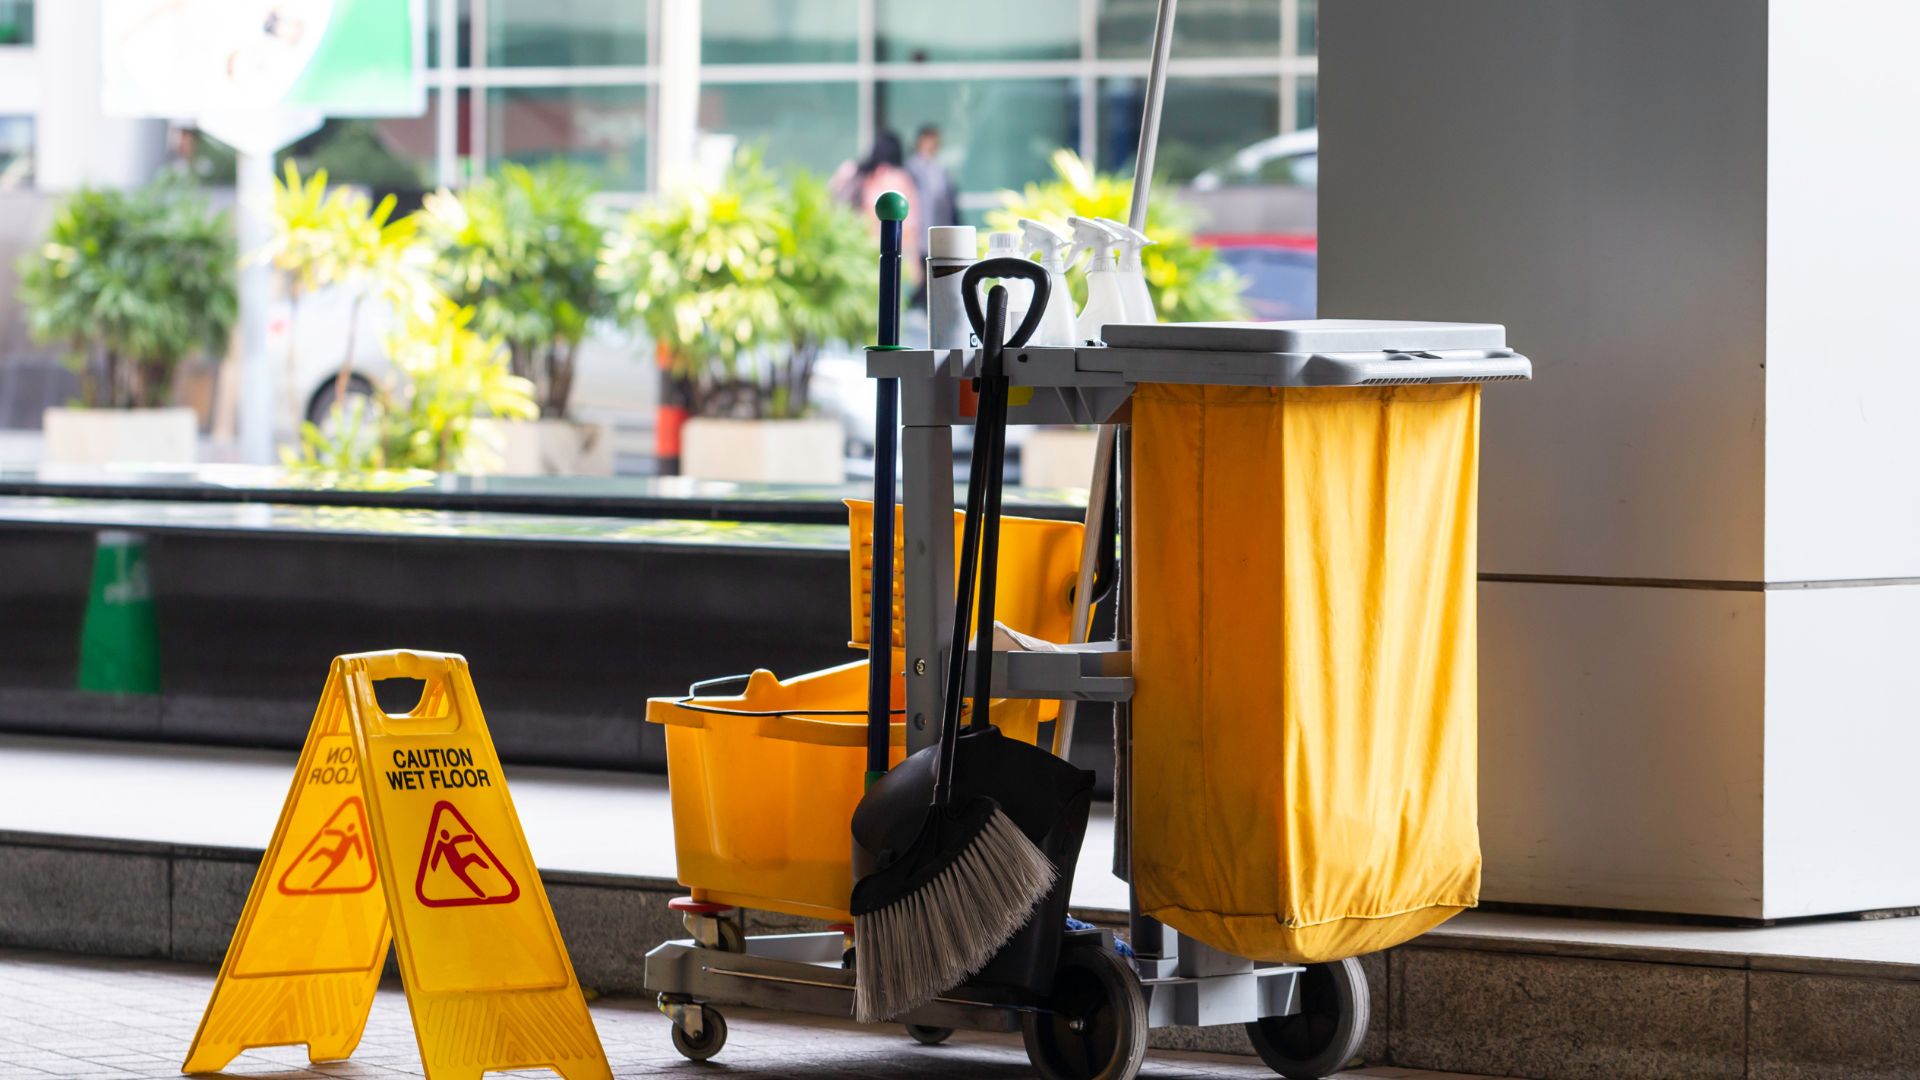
[(1039, 565), (764, 783), (763, 788)]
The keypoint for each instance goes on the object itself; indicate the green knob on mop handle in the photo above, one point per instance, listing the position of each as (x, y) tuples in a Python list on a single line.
[(891, 208)]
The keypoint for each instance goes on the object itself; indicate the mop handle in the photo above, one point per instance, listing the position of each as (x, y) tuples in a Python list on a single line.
[(1150, 116), (891, 208)]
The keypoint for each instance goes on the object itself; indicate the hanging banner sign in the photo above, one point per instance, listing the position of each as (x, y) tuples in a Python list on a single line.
[(399, 829), (182, 59)]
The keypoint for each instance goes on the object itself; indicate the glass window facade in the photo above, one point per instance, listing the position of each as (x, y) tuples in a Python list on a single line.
[(602, 129), (462, 33), (16, 22), (565, 33), (385, 155), (813, 125), (779, 31), (916, 31), (1207, 28), (1202, 123), (1008, 81), (995, 133), (16, 152)]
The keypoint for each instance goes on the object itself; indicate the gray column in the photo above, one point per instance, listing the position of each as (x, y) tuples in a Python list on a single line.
[(1700, 533)]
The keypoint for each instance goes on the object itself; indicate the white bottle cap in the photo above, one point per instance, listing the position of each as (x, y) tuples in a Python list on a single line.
[(952, 242), (1003, 244)]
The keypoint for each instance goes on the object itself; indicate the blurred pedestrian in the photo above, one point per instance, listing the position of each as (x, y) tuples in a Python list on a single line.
[(859, 183), (930, 175)]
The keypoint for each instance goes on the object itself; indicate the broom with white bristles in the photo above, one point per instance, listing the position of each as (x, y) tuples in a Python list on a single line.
[(956, 879)]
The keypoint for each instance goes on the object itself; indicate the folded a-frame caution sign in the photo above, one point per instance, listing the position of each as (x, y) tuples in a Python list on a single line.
[(399, 829)]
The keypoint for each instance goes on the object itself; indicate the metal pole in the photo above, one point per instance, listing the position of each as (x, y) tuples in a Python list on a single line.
[(1150, 116)]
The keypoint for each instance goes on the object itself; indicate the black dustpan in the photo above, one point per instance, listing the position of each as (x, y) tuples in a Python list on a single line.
[(1047, 799)]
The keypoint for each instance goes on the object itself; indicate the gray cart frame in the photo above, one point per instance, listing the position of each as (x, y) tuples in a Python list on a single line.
[(1182, 981)]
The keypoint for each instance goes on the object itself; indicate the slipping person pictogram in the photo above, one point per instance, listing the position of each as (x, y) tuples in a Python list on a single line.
[(336, 860), (457, 868), (448, 847)]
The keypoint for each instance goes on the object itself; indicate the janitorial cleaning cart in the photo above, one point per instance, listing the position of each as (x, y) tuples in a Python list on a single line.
[(1281, 521)]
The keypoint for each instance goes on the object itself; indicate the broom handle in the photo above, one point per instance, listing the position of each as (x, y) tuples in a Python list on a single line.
[(891, 209), (992, 328), (993, 415)]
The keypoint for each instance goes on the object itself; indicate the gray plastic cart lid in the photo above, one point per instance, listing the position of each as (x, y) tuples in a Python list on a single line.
[(1308, 336)]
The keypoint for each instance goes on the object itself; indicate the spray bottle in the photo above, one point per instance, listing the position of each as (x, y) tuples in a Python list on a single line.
[(1006, 245), (1133, 280), (950, 250), (1106, 301), (1053, 248)]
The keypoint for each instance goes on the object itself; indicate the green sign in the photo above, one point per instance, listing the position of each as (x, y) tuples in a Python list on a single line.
[(119, 640)]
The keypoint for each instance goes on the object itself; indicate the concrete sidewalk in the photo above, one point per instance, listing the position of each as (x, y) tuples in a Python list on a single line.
[(81, 1018)]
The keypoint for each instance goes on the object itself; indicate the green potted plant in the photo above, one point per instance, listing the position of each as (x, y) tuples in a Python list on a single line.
[(521, 248), (740, 287), (132, 283), (1188, 282)]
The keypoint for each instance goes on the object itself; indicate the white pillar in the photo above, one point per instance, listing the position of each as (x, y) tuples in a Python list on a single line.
[(259, 402), (1700, 535), (75, 144), (676, 133)]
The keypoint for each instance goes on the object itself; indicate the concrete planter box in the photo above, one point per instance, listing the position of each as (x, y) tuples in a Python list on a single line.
[(543, 448), (1058, 458), (105, 436), (764, 451)]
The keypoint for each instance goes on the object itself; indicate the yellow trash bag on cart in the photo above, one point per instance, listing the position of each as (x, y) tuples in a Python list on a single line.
[(1304, 654)]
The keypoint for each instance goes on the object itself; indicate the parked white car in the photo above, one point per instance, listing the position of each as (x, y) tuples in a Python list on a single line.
[(616, 383)]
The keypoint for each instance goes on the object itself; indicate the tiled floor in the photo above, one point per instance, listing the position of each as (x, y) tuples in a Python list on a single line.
[(81, 1018)]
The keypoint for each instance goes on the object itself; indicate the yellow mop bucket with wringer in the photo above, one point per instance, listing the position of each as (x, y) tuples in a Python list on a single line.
[(763, 780)]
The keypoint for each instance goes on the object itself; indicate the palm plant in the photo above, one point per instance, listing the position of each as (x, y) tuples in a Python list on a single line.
[(742, 284), (133, 283), (325, 236), (1187, 280), (521, 248)]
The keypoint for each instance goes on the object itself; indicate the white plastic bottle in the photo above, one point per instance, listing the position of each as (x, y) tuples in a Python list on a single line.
[(1133, 280), (950, 250), (1106, 301), (1052, 247), (1006, 245)]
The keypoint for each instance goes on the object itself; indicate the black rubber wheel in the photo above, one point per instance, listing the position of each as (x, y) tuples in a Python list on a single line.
[(1325, 1035), (928, 1035), (713, 1036), (732, 939), (1095, 1026), (320, 405)]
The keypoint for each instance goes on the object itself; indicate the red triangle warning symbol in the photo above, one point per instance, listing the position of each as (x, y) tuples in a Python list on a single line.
[(336, 860), (457, 868)]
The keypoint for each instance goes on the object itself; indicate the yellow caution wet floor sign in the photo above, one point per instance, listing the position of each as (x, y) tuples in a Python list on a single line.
[(399, 828)]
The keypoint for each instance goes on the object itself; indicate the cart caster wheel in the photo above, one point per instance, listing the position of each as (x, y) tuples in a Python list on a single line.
[(732, 938), (1326, 1033), (713, 1036), (1096, 1024), (928, 1035)]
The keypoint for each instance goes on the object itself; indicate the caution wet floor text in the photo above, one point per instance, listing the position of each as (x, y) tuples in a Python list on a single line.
[(399, 830)]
